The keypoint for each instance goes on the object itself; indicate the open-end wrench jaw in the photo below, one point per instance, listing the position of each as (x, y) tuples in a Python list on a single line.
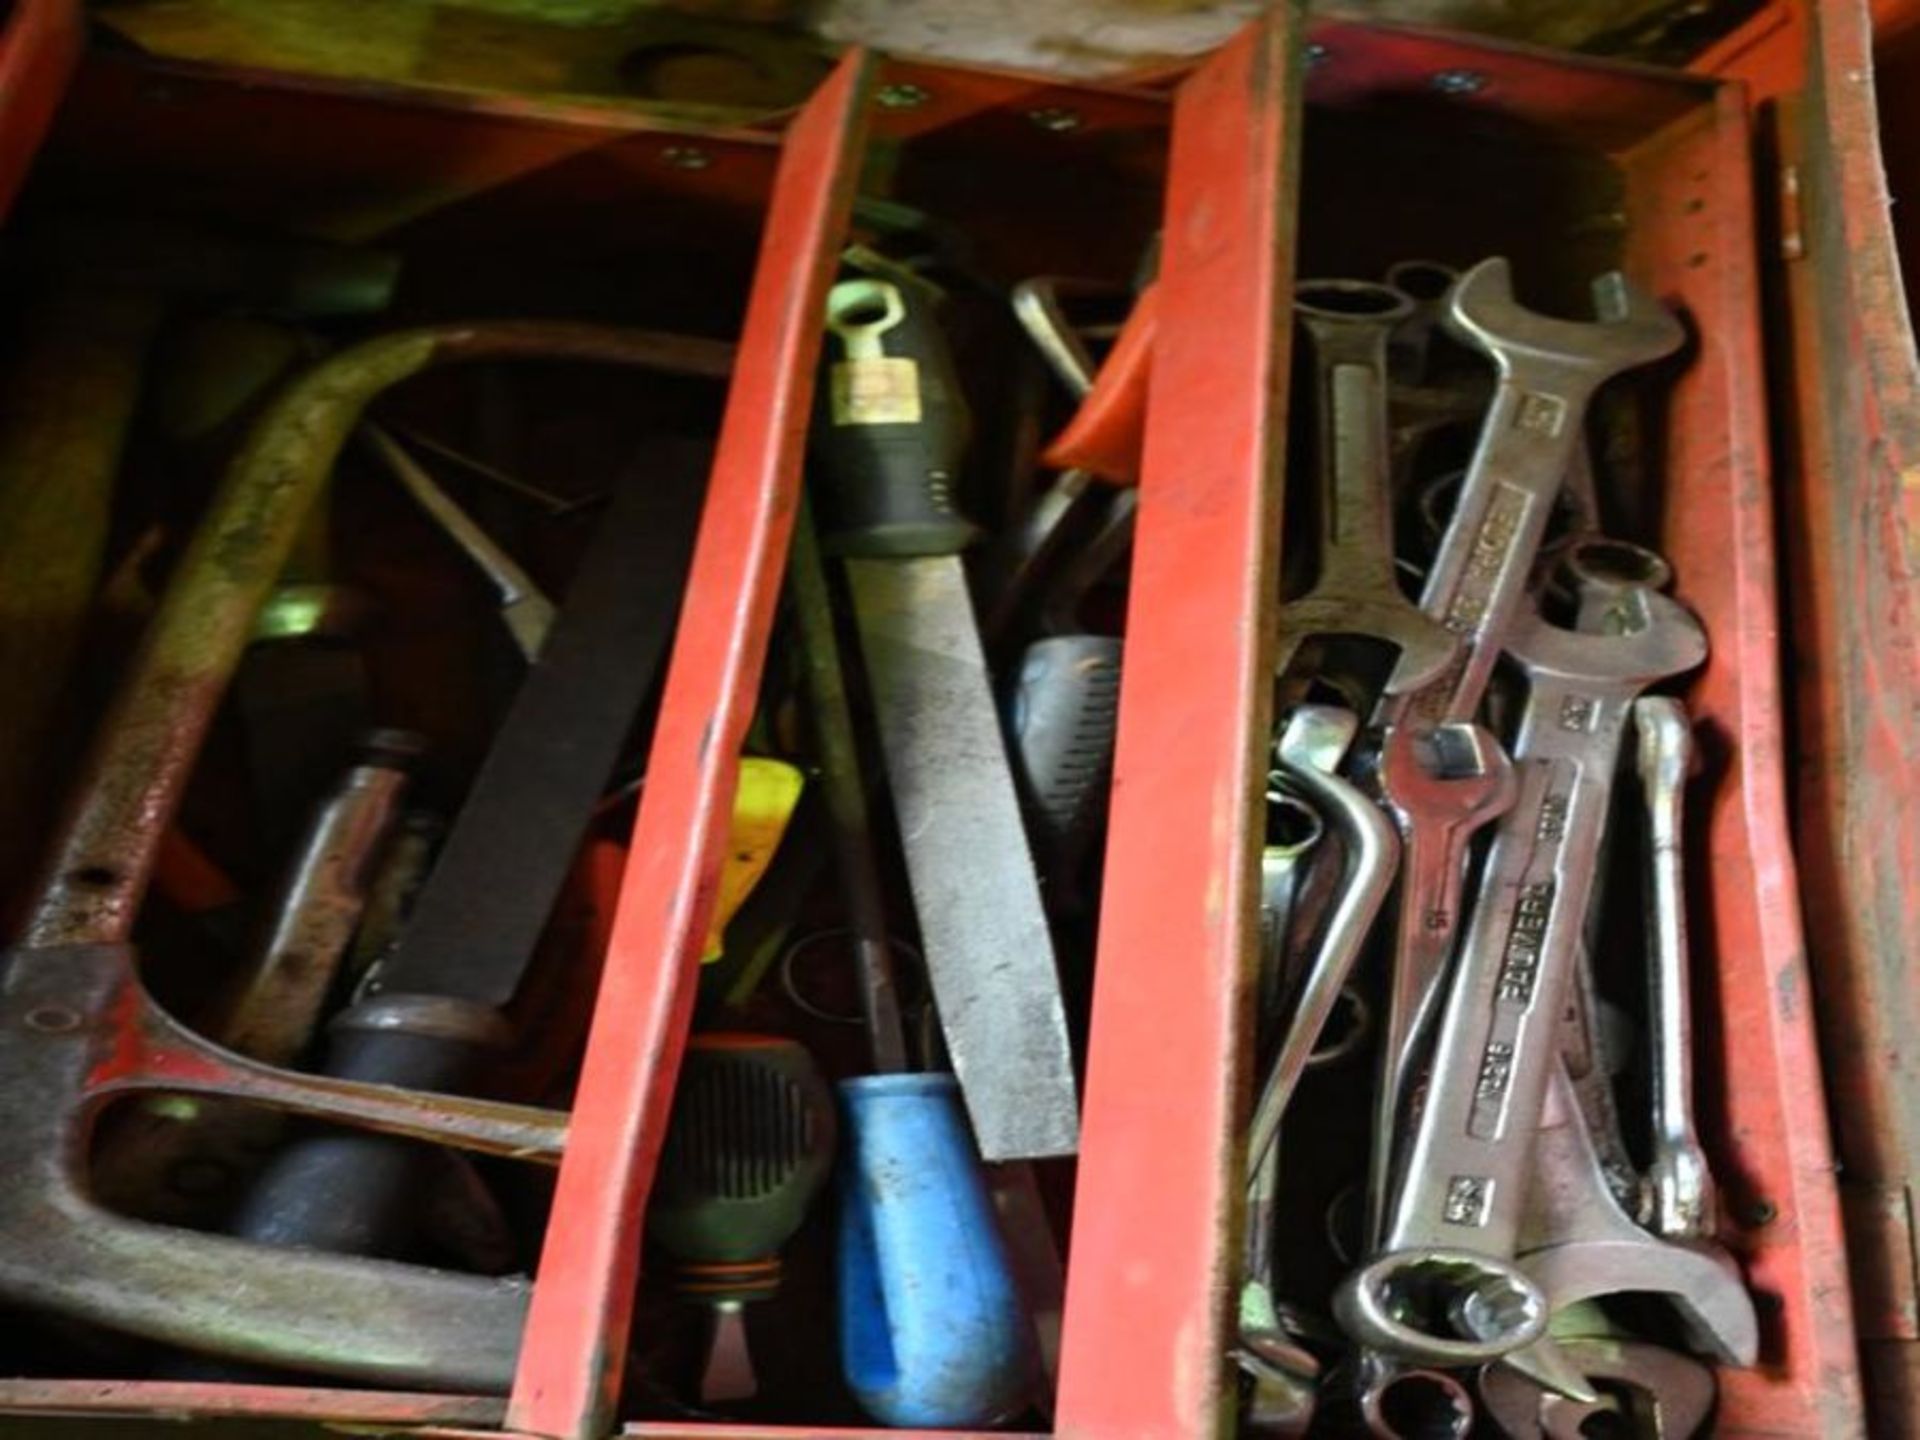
[(1356, 591), (1632, 327), (1578, 1244), (1677, 1390), (1458, 767), (1649, 637)]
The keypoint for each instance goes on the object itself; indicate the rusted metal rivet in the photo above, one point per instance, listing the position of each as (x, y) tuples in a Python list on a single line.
[(902, 96), (1459, 82), (52, 1019), (686, 157), (1057, 119)]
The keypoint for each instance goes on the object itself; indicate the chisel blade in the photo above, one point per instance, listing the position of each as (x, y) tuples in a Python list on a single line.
[(989, 952)]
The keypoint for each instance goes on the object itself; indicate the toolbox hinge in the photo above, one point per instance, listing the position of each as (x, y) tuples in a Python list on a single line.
[(1885, 1261)]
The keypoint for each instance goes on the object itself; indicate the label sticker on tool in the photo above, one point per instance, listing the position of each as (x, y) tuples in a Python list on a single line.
[(1546, 795), (876, 390)]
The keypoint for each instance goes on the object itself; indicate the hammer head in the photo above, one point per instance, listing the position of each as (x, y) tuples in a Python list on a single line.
[(1632, 328)]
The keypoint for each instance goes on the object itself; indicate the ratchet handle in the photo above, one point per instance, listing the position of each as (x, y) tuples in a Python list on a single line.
[(893, 426), (352, 1192)]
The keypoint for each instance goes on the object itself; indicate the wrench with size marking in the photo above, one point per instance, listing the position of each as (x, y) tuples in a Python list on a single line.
[(1666, 1394), (1442, 786), (1445, 1289), (1355, 590), (1548, 370)]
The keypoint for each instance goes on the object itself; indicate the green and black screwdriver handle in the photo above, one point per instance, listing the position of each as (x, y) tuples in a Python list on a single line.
[(750, 1144)]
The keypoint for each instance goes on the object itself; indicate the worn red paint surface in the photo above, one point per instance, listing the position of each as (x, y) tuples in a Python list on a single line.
[(1834, 82), (186, 1401), (360, 162), (577, 1324), (1145, 1334), (1153, 1239), (1691, 237)]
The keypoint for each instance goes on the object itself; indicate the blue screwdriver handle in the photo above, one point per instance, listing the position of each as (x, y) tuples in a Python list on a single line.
[(933, 1332)]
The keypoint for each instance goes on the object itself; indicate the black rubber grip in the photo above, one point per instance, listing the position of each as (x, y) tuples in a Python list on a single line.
[(1063, 713), (353, 1192), (890, 426)]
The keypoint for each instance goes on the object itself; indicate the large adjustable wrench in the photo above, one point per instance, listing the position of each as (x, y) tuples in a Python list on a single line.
[(1445, 1289), (1548, 370), (77, 1030), (1354, 590)]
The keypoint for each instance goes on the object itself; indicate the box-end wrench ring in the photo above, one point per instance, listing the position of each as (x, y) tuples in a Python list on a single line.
[(1399, 1403)]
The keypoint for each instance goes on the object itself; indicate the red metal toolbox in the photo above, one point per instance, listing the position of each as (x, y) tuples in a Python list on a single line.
[(1287, 152), (1830, 85)]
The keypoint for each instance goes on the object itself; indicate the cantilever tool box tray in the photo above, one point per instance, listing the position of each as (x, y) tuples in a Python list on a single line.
[(1293, 151)]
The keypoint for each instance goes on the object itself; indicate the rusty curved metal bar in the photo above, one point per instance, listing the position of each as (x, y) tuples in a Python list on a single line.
[(77, 1029), (144, 750)]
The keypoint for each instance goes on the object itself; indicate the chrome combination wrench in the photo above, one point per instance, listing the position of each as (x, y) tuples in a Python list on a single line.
[(1680, 1182)]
